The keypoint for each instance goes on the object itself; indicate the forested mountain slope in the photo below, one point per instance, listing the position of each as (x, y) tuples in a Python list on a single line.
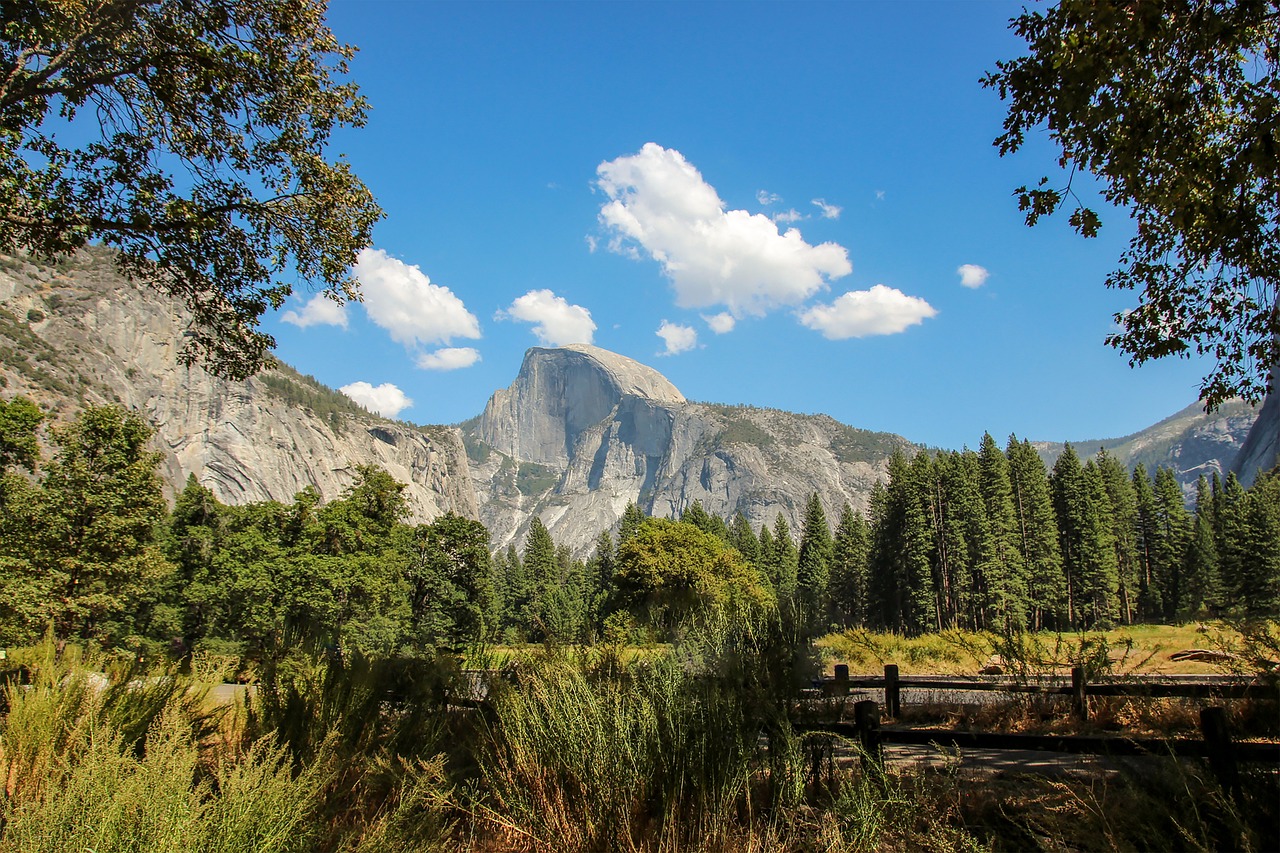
[(1189, 442), (76, 333)]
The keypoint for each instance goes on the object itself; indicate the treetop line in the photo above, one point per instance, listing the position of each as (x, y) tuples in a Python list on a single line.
[(982, 540)]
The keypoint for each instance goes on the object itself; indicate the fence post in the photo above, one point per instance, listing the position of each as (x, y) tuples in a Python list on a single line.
[(866, 717), (892, 691), (1217, 741), (1079, 694), (842, 679)]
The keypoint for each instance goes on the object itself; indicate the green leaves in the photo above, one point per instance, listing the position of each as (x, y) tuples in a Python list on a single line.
[(1173, 106), (207, 167)]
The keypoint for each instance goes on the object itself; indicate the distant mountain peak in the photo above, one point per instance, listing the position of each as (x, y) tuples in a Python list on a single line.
[(630, 377)]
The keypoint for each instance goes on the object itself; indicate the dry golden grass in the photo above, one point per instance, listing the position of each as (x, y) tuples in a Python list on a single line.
[(1131, 650)]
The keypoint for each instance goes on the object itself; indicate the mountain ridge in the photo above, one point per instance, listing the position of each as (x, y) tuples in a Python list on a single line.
[(580, 433)]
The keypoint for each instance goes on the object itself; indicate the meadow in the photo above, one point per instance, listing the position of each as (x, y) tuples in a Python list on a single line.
[(688, 746)]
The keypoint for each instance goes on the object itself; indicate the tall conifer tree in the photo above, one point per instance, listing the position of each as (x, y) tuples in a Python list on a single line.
[(850, 551), (1203, 592), (1002, 564), (1037, 536), (813, 568), (1124, 530), (786, 558)]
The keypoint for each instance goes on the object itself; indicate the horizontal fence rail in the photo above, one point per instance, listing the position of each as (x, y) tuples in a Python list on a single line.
[(1078, 687)]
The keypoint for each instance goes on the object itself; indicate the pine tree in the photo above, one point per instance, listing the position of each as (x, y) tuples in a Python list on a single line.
[(1037, 536), (1099, 571), (786, 558), (1173, 532), (1200, 572), (519, 600), (1124, 530), (1001, 563), (1231, 540), (1088, 549), (543, 572), (1260, 560), (742, 537), (600, 571), (952, 497), (696, 515), (1150, 596), (902, 574), (768, 565), (630, 523), (850, 550), (813, 572), (879, 610)]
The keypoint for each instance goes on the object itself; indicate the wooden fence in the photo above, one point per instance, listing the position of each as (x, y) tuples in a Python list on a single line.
[(1224, 755), (1079, 688)]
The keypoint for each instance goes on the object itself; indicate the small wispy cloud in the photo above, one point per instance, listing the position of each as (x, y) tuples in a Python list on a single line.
[(972, 276), (721, 323), (678, 338), (786, 217), (767, 198), (448, 358), (385, 399), (555, 322), (862, 313), (319, 310), (829, 211)]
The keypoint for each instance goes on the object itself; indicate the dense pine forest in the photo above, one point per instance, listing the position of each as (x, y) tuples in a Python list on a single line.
[(978, 540)]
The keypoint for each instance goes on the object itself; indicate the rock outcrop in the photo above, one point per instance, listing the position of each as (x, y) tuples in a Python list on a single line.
[(1261, 449), (582, 432), (1191, 443), (78, 333)]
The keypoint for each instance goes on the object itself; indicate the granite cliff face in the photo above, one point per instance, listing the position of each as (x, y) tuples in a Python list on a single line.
[(582, 432), (1261, 449), (77, 333)]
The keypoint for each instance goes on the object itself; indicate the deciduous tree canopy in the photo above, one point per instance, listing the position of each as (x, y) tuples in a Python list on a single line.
[(1175, 106), (191, 135)]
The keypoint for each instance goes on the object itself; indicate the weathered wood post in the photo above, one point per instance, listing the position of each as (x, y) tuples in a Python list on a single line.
[(1222, 755), (866, 718), (842, 679), (1079, 693), (892, 691)]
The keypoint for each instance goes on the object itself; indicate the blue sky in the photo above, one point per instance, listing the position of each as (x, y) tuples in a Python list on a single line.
[(802, 198)]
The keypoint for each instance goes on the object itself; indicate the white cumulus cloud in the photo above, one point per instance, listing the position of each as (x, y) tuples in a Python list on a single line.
[(972, 275), (401, 299), (448, 358), (319, 310), (555, 321), (659, 203), (678, 338), (721, 323), (861, 313), (829, 211), (385, 399)]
